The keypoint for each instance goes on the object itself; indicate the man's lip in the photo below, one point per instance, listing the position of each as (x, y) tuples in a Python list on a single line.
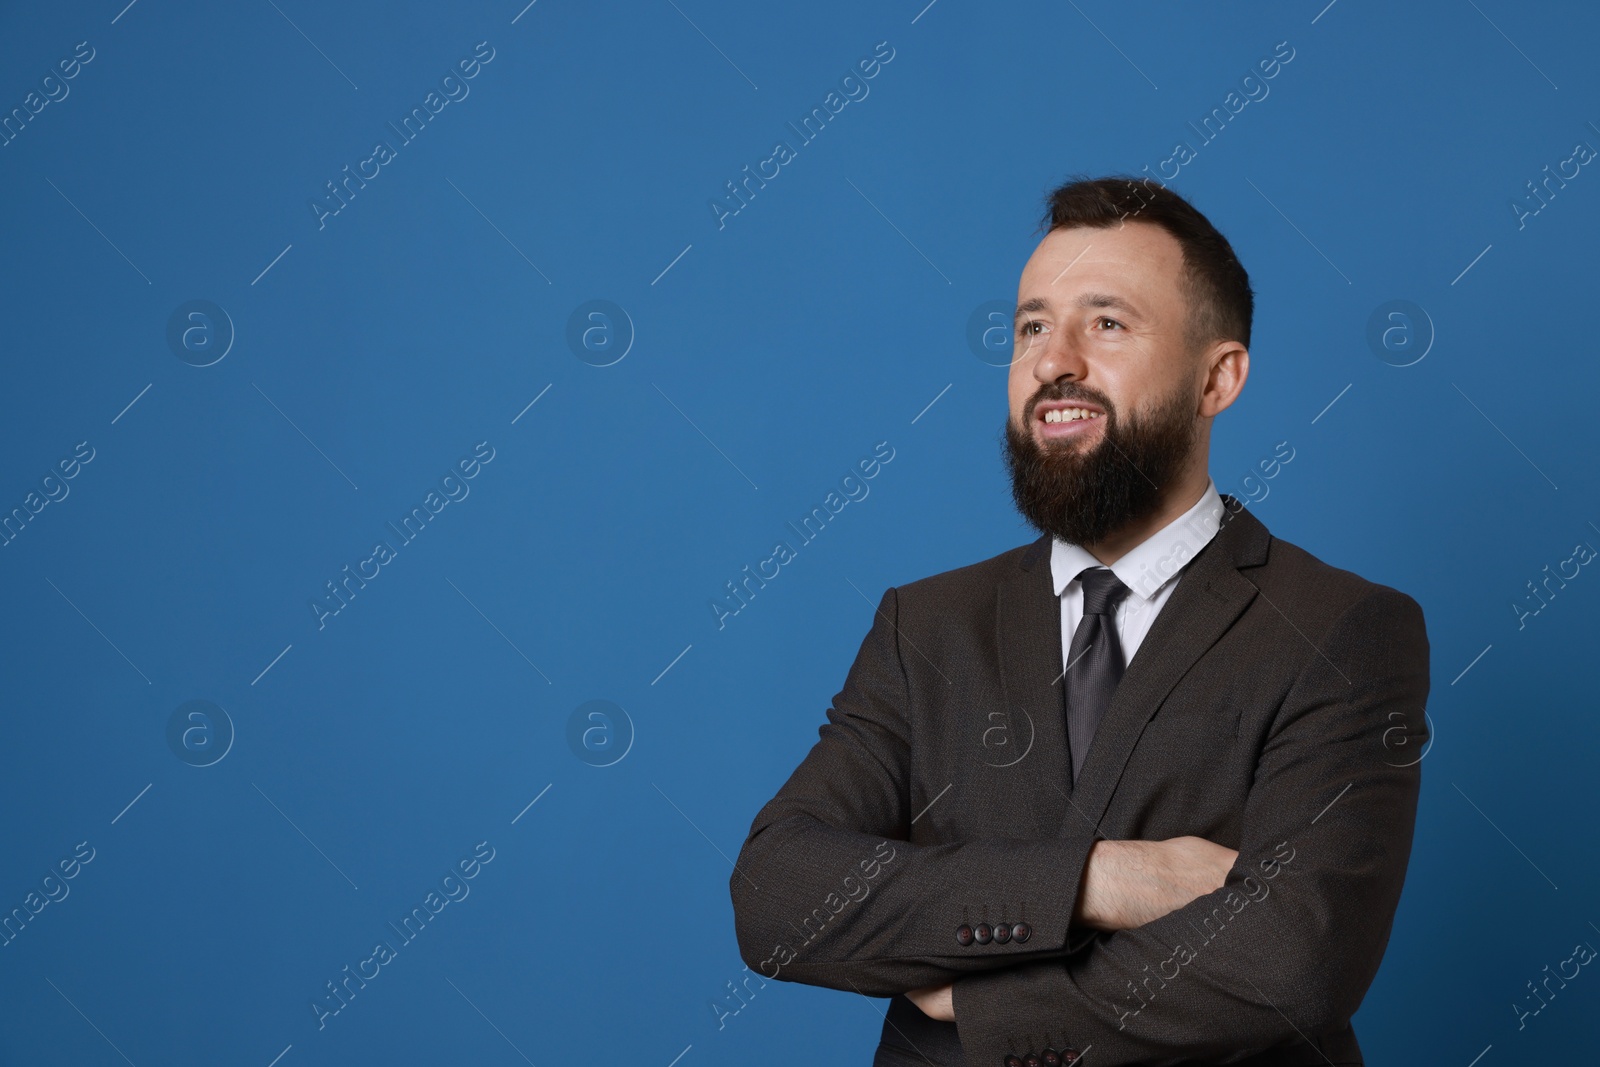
[(1057, 405)]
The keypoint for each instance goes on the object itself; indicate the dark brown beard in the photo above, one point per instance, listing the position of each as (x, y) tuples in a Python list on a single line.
[(1083, 495)]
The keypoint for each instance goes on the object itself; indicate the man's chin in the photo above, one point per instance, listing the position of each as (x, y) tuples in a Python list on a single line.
[(1066, 446), (1063, 454)]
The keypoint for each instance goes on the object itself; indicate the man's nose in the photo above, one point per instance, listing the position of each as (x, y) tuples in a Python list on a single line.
[(1060, 357)]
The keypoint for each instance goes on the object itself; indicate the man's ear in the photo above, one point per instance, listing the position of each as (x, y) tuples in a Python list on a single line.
[(1227, 366)]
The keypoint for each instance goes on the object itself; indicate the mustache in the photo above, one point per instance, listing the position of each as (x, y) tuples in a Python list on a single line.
[(1068, 392)]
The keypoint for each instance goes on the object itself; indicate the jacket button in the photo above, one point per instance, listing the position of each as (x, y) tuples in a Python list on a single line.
[(1013, 1061), (1070, 1055), (983, 933), (1032, 1060), (1051, 1058), (1002, 934), (963, 935), (1020, 932)]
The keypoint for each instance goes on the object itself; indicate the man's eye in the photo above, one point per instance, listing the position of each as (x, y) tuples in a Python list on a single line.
[(1114, 322), (1028, 328)]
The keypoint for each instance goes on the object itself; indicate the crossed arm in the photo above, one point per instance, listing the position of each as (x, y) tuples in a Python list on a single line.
[(1139, 948), (1125, 885)]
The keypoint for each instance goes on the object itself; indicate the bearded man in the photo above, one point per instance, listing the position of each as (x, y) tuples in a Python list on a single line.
[(1147, 785)]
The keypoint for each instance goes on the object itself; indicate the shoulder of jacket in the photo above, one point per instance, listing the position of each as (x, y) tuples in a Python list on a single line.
[(1322, 594)]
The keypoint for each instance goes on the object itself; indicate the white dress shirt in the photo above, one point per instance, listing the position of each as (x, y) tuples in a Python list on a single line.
[(1150, 570)]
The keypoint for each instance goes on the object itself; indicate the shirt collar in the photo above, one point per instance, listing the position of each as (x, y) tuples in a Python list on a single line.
[(1157, 559)]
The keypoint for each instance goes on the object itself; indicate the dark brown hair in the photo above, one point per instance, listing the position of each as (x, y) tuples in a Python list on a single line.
[(1218, 289)]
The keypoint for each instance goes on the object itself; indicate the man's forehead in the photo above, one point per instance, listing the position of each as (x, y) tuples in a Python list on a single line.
[(1056, 272), (1087, 281), (1070, 261)]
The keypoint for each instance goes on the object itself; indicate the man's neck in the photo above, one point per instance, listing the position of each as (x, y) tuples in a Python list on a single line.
[(1119, 543)]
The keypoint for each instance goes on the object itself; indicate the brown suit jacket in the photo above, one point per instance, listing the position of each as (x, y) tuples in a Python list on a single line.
[(1275, 707)]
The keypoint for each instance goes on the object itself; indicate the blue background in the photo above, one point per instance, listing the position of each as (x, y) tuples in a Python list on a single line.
[(372, 351)]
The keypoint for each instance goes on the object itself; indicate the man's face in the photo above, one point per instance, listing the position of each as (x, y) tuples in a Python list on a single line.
[(1104, 388)]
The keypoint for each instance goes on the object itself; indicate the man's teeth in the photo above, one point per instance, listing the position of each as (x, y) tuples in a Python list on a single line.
[(1069, 414)]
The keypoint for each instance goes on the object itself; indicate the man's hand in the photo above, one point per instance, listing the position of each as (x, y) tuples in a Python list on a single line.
[(1129, 883), (936, 1002)]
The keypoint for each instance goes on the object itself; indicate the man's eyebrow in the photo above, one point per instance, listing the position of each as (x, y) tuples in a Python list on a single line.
[(1085, 300), (1105, 300), (1029, 306)]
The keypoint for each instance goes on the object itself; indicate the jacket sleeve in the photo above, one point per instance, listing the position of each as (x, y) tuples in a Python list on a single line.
[(1288, 946), (828, 890)]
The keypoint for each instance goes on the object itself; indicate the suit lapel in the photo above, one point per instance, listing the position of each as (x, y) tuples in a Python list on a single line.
[(1206, 601), (1028, 633)]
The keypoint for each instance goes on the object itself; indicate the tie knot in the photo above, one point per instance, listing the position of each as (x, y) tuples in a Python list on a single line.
[(1102, 590)]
